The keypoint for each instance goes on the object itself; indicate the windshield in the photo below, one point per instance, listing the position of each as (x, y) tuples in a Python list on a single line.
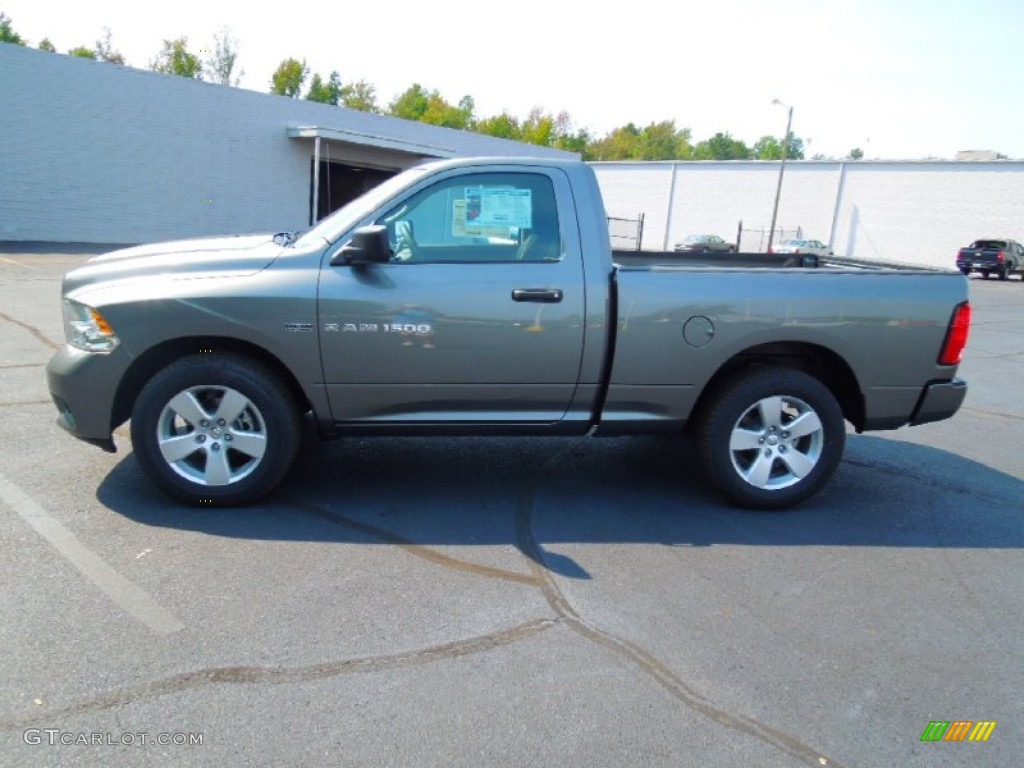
[(334, 226)]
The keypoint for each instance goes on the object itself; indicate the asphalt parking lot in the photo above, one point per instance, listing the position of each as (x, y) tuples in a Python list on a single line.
[(475, 602)]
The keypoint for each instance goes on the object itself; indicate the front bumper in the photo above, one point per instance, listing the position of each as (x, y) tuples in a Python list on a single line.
[(83, 386), (939, 400)]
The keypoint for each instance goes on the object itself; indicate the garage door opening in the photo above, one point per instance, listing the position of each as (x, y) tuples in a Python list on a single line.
[(340, 183)]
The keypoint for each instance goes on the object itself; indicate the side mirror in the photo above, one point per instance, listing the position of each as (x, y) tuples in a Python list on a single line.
[(369, 245)]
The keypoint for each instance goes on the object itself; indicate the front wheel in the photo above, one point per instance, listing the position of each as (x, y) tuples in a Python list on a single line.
[(772, 438), (215, 429)]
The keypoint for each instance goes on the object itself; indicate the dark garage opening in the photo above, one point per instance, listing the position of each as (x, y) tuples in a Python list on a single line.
[(341, 183)]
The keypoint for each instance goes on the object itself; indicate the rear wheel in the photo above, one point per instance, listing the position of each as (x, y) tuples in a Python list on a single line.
[(1004, 273), (215, 430), (772, 438), (965, 271)]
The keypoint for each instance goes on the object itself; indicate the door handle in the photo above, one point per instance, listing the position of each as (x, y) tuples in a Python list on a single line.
[(543, 295)]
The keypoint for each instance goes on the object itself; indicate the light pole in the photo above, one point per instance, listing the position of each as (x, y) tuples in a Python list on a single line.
[(782, 170)]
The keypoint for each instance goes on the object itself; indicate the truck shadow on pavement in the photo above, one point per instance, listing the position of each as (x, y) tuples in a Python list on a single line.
[(529, 492)]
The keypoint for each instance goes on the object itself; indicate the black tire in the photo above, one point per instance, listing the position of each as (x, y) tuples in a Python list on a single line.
[(965, 271), (1003, 273), (985, 273), (746, 441), (196, 453)]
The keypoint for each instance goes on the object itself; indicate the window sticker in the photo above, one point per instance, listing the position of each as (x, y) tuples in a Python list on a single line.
[(466, 219), (501, 208)]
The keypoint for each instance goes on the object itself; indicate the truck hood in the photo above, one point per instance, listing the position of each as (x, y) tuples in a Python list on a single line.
[(197, 258)]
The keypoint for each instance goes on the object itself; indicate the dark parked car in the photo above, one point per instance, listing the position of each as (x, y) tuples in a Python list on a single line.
[(703, 243), (999, 257)]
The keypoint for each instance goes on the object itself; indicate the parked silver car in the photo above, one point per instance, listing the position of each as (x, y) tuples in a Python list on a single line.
[(704, 243), (816, 247)]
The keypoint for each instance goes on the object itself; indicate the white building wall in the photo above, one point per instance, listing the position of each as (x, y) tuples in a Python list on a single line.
[(94, 152), (925, 212), (909, 212)]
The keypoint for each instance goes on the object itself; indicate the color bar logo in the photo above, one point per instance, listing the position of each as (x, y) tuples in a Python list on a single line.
[(958, 730)]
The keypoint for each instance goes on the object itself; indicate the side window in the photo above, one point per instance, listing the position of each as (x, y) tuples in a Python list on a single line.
[(484, 217)]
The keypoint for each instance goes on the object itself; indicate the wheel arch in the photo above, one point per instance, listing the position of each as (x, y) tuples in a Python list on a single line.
[(144, 367), (815, 360)]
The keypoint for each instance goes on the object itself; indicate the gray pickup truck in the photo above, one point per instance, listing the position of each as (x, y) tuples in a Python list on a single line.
[(482, 297)]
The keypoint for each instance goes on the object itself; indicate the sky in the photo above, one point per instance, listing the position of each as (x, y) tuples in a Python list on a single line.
[(898, 79)]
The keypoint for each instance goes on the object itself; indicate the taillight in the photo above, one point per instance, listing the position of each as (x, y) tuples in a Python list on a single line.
[(956, 336), (1001, 256)]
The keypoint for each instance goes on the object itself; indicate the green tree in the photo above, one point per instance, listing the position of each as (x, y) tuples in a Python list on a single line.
[(440, 112), (105, 49), (411, 104), (856, 154), (318, 90), (46, 45), (662, 141), (360, 95), (721, 146), (502, 126), (619, 144), (7, 33), (577, 141), (567, 138), (176, 59), (325, 93), (539, 128), (221, 64), (768, 148), (288, 78), (82, 52), (417, 103)]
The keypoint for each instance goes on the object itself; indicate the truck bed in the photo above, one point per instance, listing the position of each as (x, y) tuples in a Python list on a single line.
[(755, 260), (727, 260)]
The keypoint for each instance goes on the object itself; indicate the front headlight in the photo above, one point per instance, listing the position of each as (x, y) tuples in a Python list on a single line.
[(85, 328)]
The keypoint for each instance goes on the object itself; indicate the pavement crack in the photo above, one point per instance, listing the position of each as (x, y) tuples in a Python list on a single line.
[(646, 661), (411, 547), (253, 675), (33, 330)]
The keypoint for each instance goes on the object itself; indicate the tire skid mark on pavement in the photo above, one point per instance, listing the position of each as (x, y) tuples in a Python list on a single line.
[(991, 414), (125, 593), (632, 652), (411, 547), (26, 402), (15, 262), (31, 329), (932, 481), (251, 675), (21, 365)]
